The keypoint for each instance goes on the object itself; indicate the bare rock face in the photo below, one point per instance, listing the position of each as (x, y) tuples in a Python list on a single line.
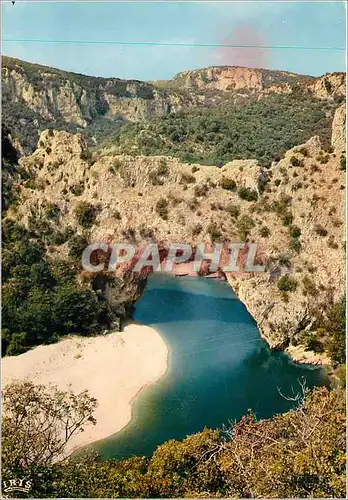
[(62, 97), (329, 86), (235, 78), (224, 78), (338, 139)]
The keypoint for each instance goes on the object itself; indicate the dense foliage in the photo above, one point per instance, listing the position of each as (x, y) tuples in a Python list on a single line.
[(336, 332), (262, 129), (41, 299), (297, 454), (38, 421)]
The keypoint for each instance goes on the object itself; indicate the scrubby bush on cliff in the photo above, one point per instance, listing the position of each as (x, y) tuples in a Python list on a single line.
[(336, 328), (320, 230), (247, 194), (77, 189), (201, 190), (233, 210), (162, 208), (87, 156), (295, 231), (229, 184), (265, 232), (287, 284), (158, 175), (343, 163), (52, 211), (296, 162), (187, 179), (85, 214), (213, 231), (196, 229), (244, 226)]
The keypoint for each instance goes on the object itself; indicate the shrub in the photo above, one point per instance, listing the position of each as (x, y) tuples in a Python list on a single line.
[(162, 208), (244, 226), (296, 162), (309, 286), (284, 260), (343, 163), (77, 189), (233, 210), (52, 211), (287, 219), (303, 151), (247, 194), (315, 168), (201, 190), (196, 229), (323, 158), (295, 231), (76, 245), (320, 230), (86, 155), (213, 231), (277, 182), (85, 214), (227, 183), (163, 168), (157, 176), (287, 284), (295, 244), (265, 232), (187, 179), (193, 204), (115, 167), (336, 328), (331, 242)]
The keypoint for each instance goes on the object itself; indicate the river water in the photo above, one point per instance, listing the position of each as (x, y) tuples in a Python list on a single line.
[(219, 367)]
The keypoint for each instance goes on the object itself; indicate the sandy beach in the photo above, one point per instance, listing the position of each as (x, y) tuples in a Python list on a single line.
[(113, 368)]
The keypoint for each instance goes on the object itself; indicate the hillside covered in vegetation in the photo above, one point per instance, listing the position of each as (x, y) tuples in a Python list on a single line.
[(262, 129)]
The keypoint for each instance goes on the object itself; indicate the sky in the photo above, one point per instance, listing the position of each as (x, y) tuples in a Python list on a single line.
[(56, 27)]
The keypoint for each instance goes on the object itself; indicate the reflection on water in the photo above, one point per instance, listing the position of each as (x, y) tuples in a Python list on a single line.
[(219, 366)]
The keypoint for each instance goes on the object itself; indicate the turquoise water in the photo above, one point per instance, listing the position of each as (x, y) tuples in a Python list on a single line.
[(219, 367)]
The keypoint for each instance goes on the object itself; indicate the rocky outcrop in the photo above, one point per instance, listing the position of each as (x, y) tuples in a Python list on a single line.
[(330, 86), (235, 78), (78, 100), (339, 137)]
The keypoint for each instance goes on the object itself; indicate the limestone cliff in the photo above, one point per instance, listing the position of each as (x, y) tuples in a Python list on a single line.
[(43, 96), (35, 97), (297, 220), (234, 78), (330, 86)]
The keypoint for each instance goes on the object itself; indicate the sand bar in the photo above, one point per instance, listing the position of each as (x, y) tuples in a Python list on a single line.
[(112, 367)]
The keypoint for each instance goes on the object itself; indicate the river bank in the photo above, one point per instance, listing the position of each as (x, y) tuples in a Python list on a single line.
[(114, 368)]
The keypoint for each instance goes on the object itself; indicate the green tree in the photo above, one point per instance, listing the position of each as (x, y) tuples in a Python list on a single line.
[(38, 422)]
